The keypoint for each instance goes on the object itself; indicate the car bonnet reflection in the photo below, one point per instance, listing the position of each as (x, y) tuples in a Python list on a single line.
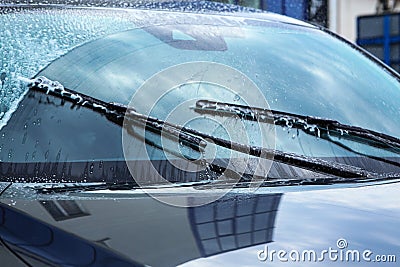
[(162, 236), (45, 243)]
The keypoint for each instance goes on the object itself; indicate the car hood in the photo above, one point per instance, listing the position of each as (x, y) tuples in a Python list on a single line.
[(240, 229)]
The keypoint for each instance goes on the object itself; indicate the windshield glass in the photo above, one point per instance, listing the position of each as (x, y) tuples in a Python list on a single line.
[(298, 69)]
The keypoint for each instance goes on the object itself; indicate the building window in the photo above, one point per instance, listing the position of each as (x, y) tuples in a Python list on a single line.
[(234, 223), (62, 210)]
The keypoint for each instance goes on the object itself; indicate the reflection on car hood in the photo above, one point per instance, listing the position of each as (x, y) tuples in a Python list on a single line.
[(233, 230)]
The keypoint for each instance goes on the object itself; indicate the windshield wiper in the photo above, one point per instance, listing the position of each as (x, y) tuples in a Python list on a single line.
[(320, 127), (117, 113)]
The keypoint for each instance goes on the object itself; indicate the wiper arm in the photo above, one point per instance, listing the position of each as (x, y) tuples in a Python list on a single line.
[(316, 126), (118, 113)]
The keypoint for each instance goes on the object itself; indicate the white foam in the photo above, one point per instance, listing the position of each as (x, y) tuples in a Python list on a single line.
[(13, 107), (25, 80)]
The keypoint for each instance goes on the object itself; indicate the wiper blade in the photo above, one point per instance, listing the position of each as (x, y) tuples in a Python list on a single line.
[(117, 113), (320, 127)]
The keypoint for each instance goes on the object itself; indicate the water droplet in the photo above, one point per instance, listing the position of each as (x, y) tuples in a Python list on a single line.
[(91, 168), (24, 138), (236, 98)]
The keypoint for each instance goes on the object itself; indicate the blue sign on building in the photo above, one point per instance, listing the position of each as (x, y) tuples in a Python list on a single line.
[(307, 10), (292, 8)]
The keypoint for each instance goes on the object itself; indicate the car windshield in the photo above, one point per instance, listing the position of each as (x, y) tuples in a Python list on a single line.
[(113, 55)]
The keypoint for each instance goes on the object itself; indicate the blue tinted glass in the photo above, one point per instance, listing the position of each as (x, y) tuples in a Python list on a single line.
[(275, 6), (300, 71)]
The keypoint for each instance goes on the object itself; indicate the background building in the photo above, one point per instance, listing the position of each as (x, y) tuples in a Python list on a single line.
[(342, 14)]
